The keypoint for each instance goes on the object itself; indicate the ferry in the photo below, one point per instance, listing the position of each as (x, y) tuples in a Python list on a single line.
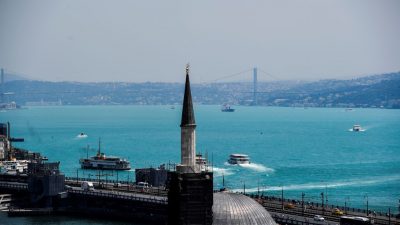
[(356, 128), (8, 106), (238, 159), (227, 108), (103, 162)]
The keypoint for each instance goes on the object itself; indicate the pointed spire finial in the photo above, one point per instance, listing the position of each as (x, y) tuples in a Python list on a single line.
[(187, 109)]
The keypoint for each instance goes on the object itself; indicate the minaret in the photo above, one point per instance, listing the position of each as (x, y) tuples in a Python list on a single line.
[(188, 134), (190, 190)]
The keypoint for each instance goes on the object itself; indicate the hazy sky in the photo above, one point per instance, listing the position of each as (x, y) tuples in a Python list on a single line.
[(95, 40)]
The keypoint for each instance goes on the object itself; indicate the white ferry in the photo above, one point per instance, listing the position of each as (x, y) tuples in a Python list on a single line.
[(102, 162), (238, 159)]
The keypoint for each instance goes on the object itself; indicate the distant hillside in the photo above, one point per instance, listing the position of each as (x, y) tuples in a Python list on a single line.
[(372, 91), (11, 77)]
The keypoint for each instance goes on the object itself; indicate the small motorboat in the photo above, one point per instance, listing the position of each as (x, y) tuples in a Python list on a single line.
[(82, 135), (227, 108), (356, 128)]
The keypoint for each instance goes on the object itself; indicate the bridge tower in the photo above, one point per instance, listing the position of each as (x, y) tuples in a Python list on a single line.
[(2, 86), (255, 86)]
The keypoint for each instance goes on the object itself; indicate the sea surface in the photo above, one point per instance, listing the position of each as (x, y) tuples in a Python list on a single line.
[(310, 150)]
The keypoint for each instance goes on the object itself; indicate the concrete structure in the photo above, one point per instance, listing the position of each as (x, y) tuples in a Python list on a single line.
[(156, 177), (45, 182)]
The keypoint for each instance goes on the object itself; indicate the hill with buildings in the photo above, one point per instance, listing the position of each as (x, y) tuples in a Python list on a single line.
[(371, 91)]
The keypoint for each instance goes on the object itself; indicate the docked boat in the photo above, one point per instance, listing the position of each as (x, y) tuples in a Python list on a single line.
[(227, 108), (201, 162), (13, 167), (238, 159), (102, 162), (356, 128)]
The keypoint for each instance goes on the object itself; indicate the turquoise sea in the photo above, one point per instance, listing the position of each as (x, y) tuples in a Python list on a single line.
[(307, 150)]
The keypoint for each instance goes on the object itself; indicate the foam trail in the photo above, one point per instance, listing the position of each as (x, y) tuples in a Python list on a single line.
[(257, 167), (310, 186), (218, 172)]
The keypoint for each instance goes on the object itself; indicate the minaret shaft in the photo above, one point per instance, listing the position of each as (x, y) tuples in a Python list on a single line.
[(188, 146)]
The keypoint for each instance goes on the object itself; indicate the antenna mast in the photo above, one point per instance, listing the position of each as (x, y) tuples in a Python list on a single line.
[(98, 151)]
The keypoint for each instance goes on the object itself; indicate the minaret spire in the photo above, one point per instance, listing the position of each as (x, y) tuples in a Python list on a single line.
[(187, 110), (188, 134)]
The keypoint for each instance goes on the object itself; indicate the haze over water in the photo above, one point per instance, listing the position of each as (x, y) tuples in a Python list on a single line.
[(304, 150)]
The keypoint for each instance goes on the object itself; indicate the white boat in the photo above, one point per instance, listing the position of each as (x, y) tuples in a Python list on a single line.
[(238, 159), (82, 135), (356, 128)]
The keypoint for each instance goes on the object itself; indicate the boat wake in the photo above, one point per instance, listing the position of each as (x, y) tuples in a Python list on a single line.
[(337, 184), (257, 167), (218, 172), (253, 166)]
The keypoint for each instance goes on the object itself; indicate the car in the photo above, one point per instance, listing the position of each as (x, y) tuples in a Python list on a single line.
[(143, 186), (319, 218), (337, 212), (289, 206), (87, 186)]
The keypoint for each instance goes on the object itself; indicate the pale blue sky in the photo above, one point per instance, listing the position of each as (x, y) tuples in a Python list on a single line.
[(128, 40)]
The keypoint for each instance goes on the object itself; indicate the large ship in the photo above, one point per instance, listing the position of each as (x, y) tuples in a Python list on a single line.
[(102, 162)]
